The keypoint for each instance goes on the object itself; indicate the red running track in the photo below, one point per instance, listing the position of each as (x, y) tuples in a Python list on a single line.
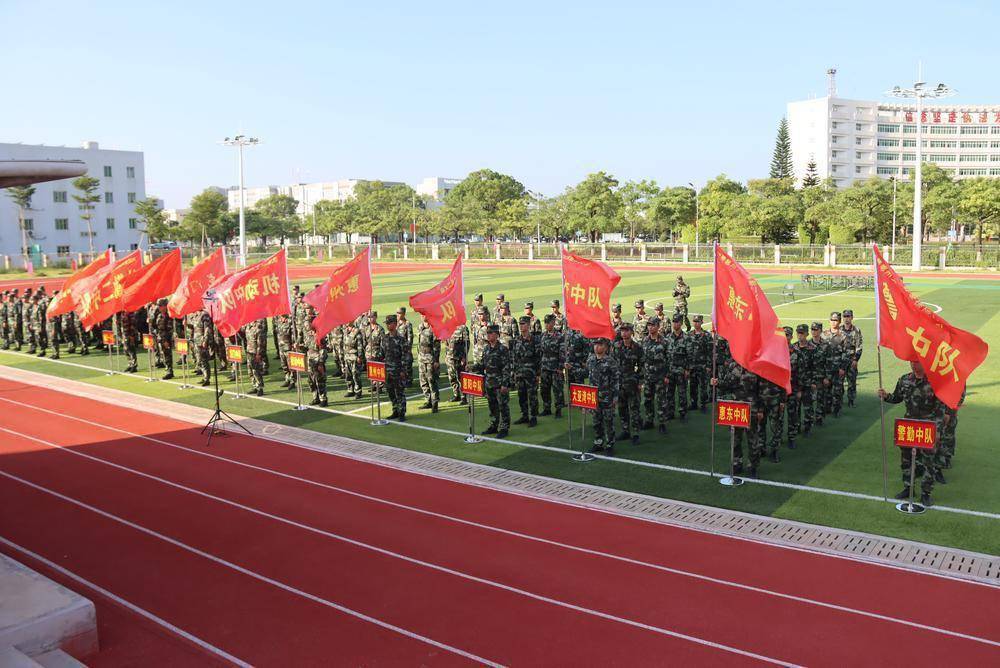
[(275, 554)]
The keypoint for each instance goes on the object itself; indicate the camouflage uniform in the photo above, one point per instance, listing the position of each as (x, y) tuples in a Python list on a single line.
[(840, 363), (478, 335), (284, 331), (508, 329), (498, 310), (398, 361), (405, 329), (738, 384), (553, 357), (526, 357), (921, 404), (456, 353), (771, 412), (204, 342), (127, 334), (854, 342), (164, 337), (151, 327), (256, 353), (821, 377), (682, 292), (639, 324), (655, 364), (354, 360), (700, 360), (15, 312), (577, 351), (677, 373), (36, 328), (630, 367), (4, 322), (53, 333), (947, 440), (336, 343), (73, 331), (534, 324), (495, 365), (560, 324), (805, 374), (429, 360), (315, 357), (604, 373)]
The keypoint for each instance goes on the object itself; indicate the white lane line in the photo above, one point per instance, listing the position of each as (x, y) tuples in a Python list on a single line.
[(548, 448), (366, 546), (208, 647), (518, 534), (242, 570)]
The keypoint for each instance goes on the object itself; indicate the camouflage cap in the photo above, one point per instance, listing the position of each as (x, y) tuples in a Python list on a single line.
[(659, 306), (639, 303), (505, 305), (680, 279), (697, 317), (817, 326), (835, 316), (601, 341), (802, 329), (788, 330), (390, 319), (626, 325), (676, 317), (550, 318), (493, 329), (524, 320), (500, 297), (162, 301), (478, 297), (555, 302), (372, 314), (482, 311), (401, 309), (617, 308), (529, 304), (654, 322), (848, 313)]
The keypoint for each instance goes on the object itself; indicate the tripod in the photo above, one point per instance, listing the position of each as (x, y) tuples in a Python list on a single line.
[(216, 424)]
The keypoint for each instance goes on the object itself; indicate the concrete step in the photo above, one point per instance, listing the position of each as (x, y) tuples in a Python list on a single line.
[(57, 659), (11, 657)]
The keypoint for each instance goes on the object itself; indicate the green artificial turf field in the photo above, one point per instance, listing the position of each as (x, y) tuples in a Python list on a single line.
[(844, 455)]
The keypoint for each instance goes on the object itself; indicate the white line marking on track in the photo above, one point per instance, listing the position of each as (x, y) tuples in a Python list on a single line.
[(363, 545), (245, 571), (549, 448), (509, 532), (129, 605)]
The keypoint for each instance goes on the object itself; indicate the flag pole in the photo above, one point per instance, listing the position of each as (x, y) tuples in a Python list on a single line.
[(878, 355), (715, 348)]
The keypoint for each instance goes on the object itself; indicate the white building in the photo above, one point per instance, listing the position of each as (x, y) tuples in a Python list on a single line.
[(852, 140), (436, 188), (54, 223), (307, 194)]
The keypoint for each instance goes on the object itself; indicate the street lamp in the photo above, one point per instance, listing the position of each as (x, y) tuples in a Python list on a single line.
[(240, 141), (892, 256), (919, 91), (697, 216)]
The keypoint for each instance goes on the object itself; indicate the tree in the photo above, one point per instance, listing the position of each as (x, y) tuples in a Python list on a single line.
[(22, 199), (87, 187), (481, 197), (551, 216), (672, 210), (636, 199), (980, 200), (721, 206), (333, 216), (152, 219), (277, 217), (594, 205), (781, 161), (385, 210), (773, 209), (206, 220), (820, 212), (811, 179)]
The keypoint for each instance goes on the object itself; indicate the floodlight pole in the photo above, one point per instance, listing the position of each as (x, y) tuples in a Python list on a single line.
[(239, 141), (697, 221)]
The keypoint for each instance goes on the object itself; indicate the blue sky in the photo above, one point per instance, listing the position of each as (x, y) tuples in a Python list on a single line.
[(545, 91)]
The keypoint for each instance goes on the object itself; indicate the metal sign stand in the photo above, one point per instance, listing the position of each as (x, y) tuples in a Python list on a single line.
[(909, 507), (298, 392), (111, 360), (149, 364), (184, 371), (583, 455), (472, 438), (731, 480), (377, 419), (239, 384)]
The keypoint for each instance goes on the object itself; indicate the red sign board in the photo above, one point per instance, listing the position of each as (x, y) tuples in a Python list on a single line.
[(297, 362), (473, 384), (234, 354), (733, 414), (583, 396), (376, 372), (920, 434), (147, 341), (181, 346), (107, 337)]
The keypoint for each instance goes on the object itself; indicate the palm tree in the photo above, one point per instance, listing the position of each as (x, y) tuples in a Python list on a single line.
[(22, 198), (88, 197)]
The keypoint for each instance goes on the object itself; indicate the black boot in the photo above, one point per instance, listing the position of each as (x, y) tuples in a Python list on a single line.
[(521, 420), (492, 429), (434, 408), (502, 434), (774, 456), (791, 444), (662, 429), (635, 440), (925, 500), (904, 495), (559, 412), (426, 404), (168, 375), (323, 402), (939, 478), (533, 422), (545, 412)]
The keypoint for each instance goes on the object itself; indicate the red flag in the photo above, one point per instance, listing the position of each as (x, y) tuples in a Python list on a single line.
[(948, 354), (259, 291), (187, 298), (65, 301), (344, 296), (587, 288), (100, 295), (157, 279), (742, 314), (444, 304)]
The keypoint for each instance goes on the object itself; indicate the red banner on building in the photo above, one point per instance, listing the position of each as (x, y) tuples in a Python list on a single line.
[(187, 297), (297, 362), (921, 434), (375, 371), (157, 279), (259, 291), (100, 295), (583, 396), (948, 354), (473, 384), (344, 296), (444, 304), (587, 288), (742, 314), (65, 301), (733, 414)]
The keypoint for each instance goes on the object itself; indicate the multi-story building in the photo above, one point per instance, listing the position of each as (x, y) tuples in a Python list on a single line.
[(53, 222), (852, 140), (435, 188), (307, 194)]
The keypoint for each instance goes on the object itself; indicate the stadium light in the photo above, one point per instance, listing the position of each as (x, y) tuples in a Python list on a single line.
[(240, 141), (697, 217)]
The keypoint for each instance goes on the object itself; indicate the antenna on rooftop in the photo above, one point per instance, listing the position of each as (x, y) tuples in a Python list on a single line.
[(831, 82)]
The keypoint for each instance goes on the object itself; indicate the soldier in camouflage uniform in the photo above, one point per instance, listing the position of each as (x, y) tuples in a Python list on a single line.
[(551, 367), (854, 342), (152, 328), (640, 322), (736, 383), (682, 292), (164, 337), (508, 325), (315, 356), (405, 329), (677, 370), (577, 350), (821, 372), (4, 325), (840, 362), (398, 360), (354, 360), (479, 335), (474, 317), (658, 312), (604, 373), (190, 325), (127, 334), (616, 321), (456, 353), (771, 411), (15, 320), (946, 449), (53, 331), (535, 325), (373, 340), (801, 404), (655, 365), (336, 343), (72, 324), (429, 361), (560, 319), (498, 310), (700, 359), (526, 356), (914, 390), (256, 354), (495, 365), (36, 324), (204, 341), (284, 330), (628, 354)]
